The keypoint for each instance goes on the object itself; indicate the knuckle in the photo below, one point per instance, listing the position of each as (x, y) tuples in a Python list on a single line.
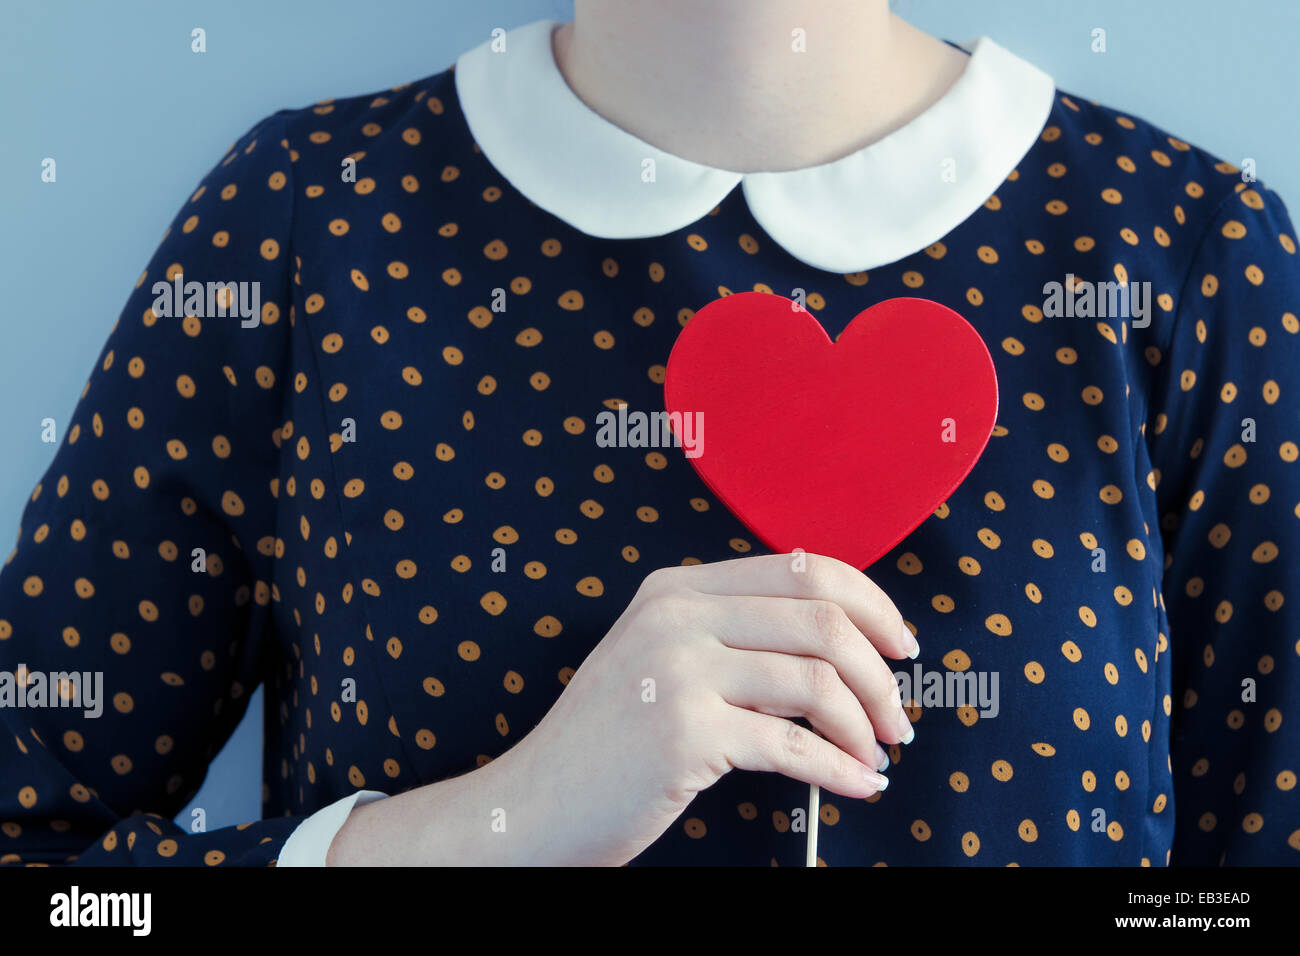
[(888, 697), (669, 610), (797, 741), (880, 605), (819, 616), (658, 580), (840, 766), (815, 578), (836, 628), (819, 677), (827, 621), (674, 665), (677, 722), (832, 575)]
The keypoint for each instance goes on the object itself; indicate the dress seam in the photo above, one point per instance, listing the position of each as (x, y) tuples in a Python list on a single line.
[(361, 608)]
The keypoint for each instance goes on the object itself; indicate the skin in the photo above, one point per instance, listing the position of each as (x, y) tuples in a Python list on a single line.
[(738, 647), (717, 81)]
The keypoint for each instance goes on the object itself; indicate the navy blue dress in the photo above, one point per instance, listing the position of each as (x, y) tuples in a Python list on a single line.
[(308, 495)]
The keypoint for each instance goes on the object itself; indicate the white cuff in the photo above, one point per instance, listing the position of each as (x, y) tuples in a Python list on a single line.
[(308, 844)]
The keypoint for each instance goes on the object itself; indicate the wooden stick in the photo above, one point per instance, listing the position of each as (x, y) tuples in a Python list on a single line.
[(814, 813)]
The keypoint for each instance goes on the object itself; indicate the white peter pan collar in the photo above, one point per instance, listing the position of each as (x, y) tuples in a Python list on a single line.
[(871, 207)]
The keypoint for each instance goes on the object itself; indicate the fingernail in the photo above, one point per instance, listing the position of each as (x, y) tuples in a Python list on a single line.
[(876, 780), (909, 643), (882, 758), (905, 727)]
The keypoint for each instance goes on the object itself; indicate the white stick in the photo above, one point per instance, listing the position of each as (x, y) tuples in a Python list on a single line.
[(814, 812)]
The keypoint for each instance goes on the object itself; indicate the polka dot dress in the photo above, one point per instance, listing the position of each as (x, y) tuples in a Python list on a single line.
[(385, 502)]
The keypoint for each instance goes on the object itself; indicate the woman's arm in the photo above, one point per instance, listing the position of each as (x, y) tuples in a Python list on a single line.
[(144, 559), (1223, 430)]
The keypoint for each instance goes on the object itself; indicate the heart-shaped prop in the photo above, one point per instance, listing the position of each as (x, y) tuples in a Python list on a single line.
[(840, 448)]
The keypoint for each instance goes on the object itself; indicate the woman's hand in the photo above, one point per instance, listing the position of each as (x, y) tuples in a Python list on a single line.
[(695, 678)]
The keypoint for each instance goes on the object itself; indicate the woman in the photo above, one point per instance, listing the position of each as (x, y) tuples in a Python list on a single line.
[(371, 481)]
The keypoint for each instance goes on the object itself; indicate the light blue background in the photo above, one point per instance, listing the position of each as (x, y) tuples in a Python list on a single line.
[(112, 92)]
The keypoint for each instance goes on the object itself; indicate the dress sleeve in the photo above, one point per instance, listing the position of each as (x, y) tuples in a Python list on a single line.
[(309, 845), (135, 608), (1223, 432)]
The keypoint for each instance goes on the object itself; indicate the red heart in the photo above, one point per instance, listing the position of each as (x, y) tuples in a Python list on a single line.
[(837, 448)]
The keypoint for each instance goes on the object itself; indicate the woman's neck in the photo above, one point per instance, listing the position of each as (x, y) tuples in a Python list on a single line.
[(724, 82)]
